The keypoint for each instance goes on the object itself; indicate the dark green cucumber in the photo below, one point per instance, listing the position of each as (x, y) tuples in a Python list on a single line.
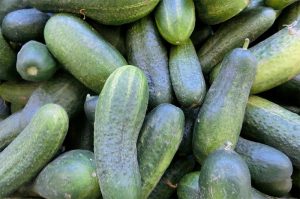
[(278, 188), (158, 142), (104, 11), (186, 75), (200, 34), (91, 60), (225, 104), (224, 175), (120, 112), (279, 4), (71, 175), (7, 6), (168, 183), (290, 14), (24, 25), (273, 125), (215, 12), (232, 34), (33, 148), (4, 109), (35, 63), (90, 108), (146, 50), (188, 187), (296, 178), (175, 20)]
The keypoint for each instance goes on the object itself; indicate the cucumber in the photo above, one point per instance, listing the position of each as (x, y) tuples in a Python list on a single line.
[(33, 148), (224, 175), (90, 108), (158, 142), (279, 4), (35, 63), (146, 50), (296, 178), (218, 11), (200, 34), (188, 187), (175, 20), (186, 75), (290, 14), (104, 11), (254, 4), (225, 104), (4, 109), (90, 65), (273, 125), (232, 34), (7, 6), (24, 25), (120, 112), (71, 175), (279, 188)]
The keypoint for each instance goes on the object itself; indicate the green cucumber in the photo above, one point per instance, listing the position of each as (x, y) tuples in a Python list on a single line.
[(232, 34), (4, 109), (104, 11), (91, 60), (279, 4), (278, 188), (35, 63), (33, 148), (186, 75), (296, 178), (258, 195), (7, 6), (71, 175), (158, 142), (90, 108), (200, 34), (188, 187), (224, 175), (24, 25), (168, 183), (120, 112), (290, 14), (175, 20), (273, 125), (224, 104), (218, 11), (146, 50)]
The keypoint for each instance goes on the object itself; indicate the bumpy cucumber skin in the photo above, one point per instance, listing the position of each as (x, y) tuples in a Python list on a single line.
[(91, 60), (71, 175), (188, 187), (104, 11), (119, 117), (224, 174), (33, 148), (273, 125), (186, 75), (225, 104), (175, 20), (279, 4), (290, 14), (158, 142), (146, 50), (232, 34)]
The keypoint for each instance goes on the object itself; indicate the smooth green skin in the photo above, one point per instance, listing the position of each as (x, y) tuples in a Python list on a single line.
[(168, 183), (24, 25), (279, 4), (109, 12), (224, 175), (250, 24), (91, 59), (146, 50), (120, 112), (273, 125), (279, 188), (52, 91), (33, 148), (35, 55), (90, 108), (7, 61), (175, 20), (296, 178), (221, 116), (71, 175), (218, 11), (158, 142), (188, 187), (186, 75), (7, 6), (290, 14)]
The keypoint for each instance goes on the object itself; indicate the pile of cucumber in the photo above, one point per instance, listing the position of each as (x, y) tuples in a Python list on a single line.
[(150, 99)]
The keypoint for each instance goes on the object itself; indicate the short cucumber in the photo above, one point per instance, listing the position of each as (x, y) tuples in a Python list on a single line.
[(186, 75), (158, 142), (188, 187), (279, 4), (120, 112), (90, 108), (33, 148), (290, 14), (90, 65)]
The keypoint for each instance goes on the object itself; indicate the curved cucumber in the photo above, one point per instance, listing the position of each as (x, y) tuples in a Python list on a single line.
[(120, 112), (33, 148), (279, 4), (188, 187), (290, 14), (91, 60)]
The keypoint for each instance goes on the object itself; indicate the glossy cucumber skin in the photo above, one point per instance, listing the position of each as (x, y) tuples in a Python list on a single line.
[(186, 75), (120, 112), (175, 20), (33, 148), (146, 50), (158, 142), (279, 4), (225, 104), (290, 14), (188, 187), (92, 59)]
